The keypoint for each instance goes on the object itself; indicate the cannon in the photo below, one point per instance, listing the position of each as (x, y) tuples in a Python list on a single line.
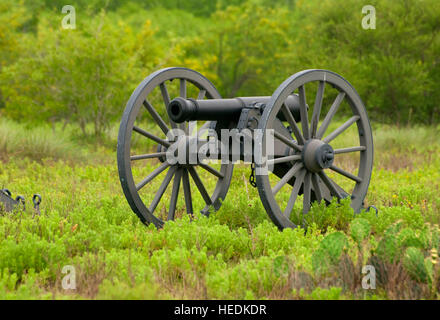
[(173, 121)]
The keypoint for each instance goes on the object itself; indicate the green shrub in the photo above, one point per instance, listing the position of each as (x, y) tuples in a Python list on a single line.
[(414, 263), (359, 230), (412, 218), (122, 291), (26, 289), (394, 76), (336, 215), (81, 76), (333, 293), (329, 252)]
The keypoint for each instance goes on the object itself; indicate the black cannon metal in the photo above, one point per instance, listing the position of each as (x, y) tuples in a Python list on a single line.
[(304, 151), (8, 204)]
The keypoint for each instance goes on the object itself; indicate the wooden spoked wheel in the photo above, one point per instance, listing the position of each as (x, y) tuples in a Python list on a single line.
[(319, 167), (146, 133)]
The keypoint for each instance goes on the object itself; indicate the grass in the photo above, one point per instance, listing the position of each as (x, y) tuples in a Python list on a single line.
[(237, 253), (36, 142)]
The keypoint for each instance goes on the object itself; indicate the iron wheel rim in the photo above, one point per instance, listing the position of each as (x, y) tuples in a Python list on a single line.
[(274, 106)]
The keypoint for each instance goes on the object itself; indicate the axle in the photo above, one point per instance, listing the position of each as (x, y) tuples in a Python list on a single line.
[(181, 109)]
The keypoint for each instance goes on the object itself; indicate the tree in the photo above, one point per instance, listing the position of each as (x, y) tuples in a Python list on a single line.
[(12, 18), (395, 67), (81, 76), (244, 50)]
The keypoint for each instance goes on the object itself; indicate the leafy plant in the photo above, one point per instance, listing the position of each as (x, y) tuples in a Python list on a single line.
[(414, 262), (329, 252), (359, 230)]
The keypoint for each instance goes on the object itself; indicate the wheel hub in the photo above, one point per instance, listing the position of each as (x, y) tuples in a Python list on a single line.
[(317, 155)]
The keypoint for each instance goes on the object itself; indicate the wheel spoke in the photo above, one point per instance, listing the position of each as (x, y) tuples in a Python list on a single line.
[(163, 187), (341, 129), (346, 174), (148, 156), (316, 187), (183, 88), (187, 192), (151, 136), (341, 191), (166, 100), (317, 108), (328, 118), (329, 183), (165, 95), (291, 120), (201, 95), (286, 178), (200, 186), (284, 159), (349, 150), (183, 94), (152, 175), (307, 193), (211, 170), (171, 186), (174, 194), (191, 126), (297, 185), (287, 141), (304, 112), (156, 117)]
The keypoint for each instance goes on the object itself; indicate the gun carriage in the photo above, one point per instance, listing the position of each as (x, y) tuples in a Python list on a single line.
[(300, 169)]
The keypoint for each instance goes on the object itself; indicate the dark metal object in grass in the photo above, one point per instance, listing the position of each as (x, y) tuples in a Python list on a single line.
[(374, 208), (8, 204), (306, 166), (36, 199)]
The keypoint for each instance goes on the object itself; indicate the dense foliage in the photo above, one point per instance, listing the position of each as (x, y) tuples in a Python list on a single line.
[(235, 253), (85, 76)]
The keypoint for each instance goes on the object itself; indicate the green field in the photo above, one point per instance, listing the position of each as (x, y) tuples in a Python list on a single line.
[(62, 96), (236, 253)]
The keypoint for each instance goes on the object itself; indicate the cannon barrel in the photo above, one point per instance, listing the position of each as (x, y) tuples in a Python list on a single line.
[(180, 109)]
